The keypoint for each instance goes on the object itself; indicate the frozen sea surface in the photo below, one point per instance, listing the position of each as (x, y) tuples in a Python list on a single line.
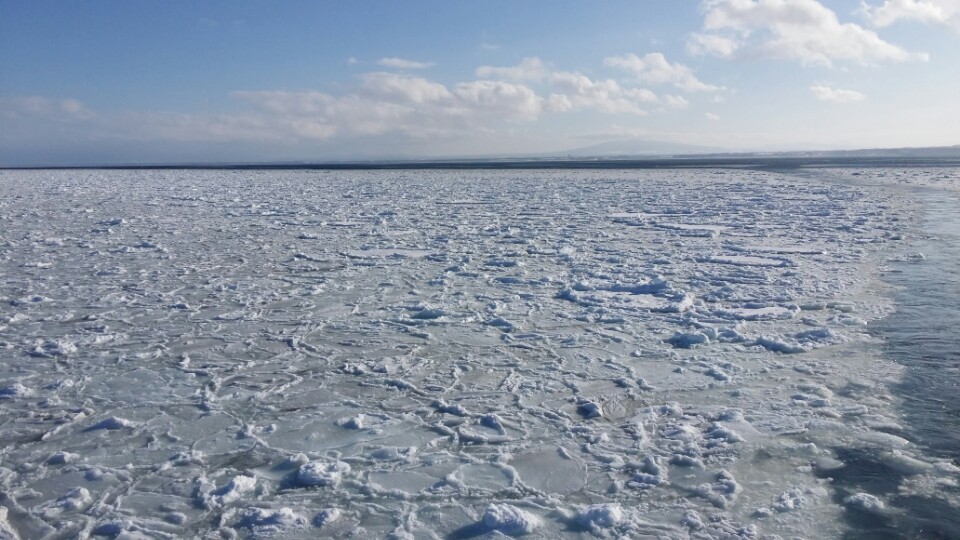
[(431, 354)]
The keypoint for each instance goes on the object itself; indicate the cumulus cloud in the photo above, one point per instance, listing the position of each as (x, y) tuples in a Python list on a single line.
[(386, 102), (836, 95), (802, 30), (403, 88), (939, 12), (400, 63), (529, 69), (499, 98), (653, 68), (575, 92)]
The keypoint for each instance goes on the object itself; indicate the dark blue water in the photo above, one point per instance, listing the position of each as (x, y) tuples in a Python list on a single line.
[(923, 335)]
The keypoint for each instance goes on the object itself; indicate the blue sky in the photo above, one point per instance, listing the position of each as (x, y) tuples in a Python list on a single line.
[(172, 81)]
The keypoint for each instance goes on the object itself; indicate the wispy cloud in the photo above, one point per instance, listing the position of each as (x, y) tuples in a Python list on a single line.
[(836, 95), (676, 102), (529, 69), (802, 30), (400, 63), (56, 109)]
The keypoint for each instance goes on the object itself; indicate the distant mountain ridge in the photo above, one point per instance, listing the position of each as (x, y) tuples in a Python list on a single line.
[(924, 152), (649, 149), (628, 154), (637, 147)]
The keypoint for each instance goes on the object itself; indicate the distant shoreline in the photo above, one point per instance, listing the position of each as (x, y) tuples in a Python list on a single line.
[(692, 162)]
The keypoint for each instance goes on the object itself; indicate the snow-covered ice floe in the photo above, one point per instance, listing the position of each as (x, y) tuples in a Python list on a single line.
[(430, 354)]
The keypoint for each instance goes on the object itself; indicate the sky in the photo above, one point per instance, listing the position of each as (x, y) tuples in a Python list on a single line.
[(138, 82)]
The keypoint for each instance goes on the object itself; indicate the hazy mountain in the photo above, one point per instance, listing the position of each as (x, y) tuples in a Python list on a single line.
[(637, 147)]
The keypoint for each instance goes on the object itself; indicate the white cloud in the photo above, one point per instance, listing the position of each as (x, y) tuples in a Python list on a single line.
[(578, 92), (503, 99), (403, 88), (712, 117), (400, 63), (381, 103), (941, 12), (653, 68), (394, 103), (351, 61), (571, 91), (414, 106), (835, 95), (802, 30), (529, 69)]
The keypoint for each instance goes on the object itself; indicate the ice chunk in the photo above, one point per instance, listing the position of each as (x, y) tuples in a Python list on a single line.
[(354, 422), (270, 521), (14, 390), (392, 453), (600, 515), (63, 458), (688, 340), (864, 502), (235, 489), (74, 500), (905, 464), (650, 475), (7, 532), (790, 500), (326, 516), (322, 473), (589, 409), (111, 424), (510, 520), (52, 348), (722, 491)]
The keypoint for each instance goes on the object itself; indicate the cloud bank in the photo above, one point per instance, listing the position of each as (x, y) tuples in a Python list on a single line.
[(387, 103)]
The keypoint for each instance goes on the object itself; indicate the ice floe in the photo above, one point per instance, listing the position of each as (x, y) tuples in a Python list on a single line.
[(439, 354)]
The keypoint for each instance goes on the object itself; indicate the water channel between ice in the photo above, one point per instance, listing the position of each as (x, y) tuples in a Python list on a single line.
[(923, 335)]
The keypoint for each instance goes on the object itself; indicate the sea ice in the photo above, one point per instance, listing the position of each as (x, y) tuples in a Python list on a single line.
[(600, 515), (510, 520), (622, 353), (322, 473)]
